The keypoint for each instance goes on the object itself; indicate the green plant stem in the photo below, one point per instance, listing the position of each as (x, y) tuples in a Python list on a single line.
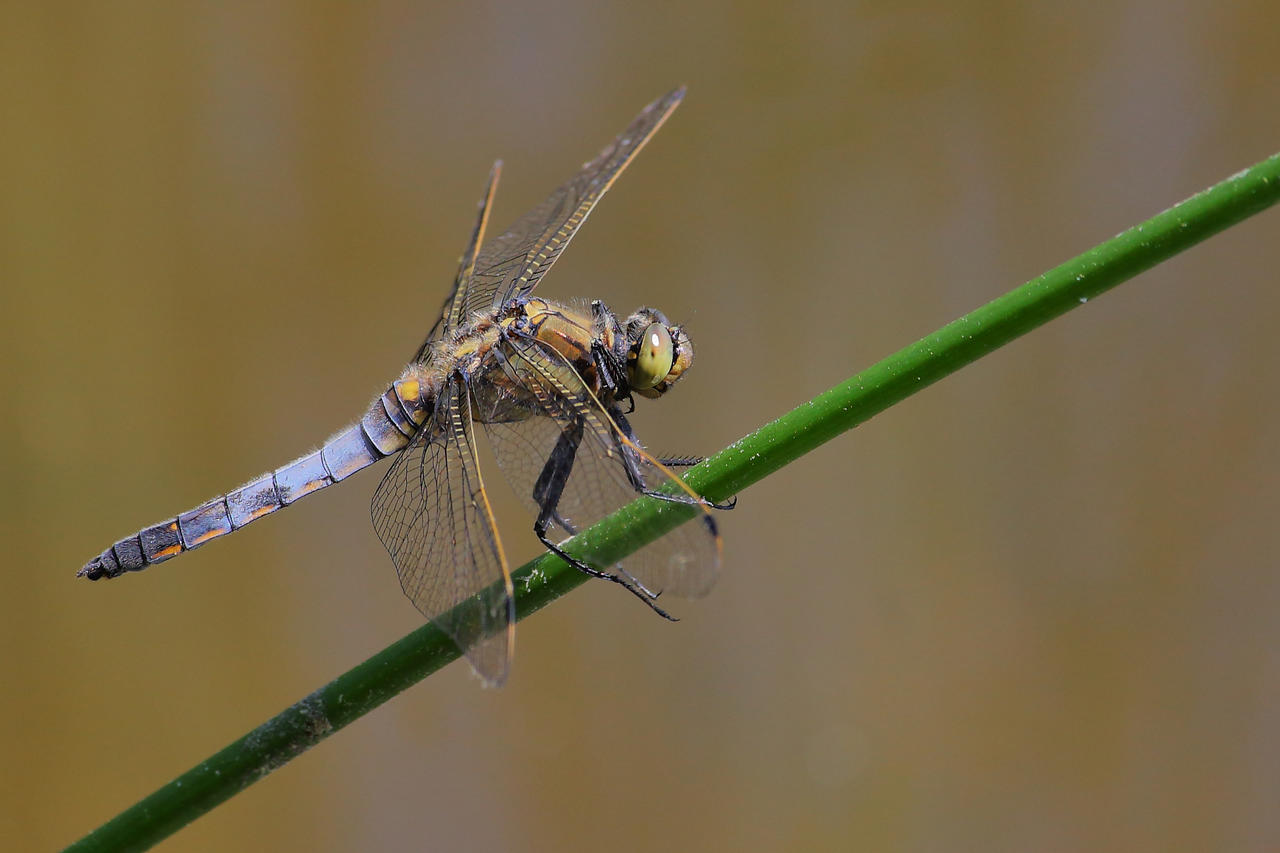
[(743, 463)]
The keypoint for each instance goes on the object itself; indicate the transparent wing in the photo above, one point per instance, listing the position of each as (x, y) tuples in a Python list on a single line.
[(511, 265), (453, 311), (608, 470), (432, 514)]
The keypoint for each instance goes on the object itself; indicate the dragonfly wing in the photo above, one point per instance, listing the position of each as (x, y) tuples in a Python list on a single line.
[(607, 470), (454, 310), (511, 264), (432, 514)]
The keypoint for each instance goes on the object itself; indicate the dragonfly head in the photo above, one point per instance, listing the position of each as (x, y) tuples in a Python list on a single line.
[(658, 352)]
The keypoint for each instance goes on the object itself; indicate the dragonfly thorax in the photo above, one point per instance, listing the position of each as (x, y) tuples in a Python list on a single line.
[(644, 355)]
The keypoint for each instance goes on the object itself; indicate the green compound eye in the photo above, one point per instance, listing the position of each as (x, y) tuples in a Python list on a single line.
[(651, 357)]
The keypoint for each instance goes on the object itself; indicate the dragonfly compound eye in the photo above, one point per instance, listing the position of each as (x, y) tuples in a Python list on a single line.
[(651, 357)]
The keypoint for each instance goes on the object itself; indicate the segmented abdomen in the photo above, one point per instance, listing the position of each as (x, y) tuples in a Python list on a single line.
[(392, 419)]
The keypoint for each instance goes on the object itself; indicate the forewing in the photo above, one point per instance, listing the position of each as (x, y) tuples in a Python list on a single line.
[(684, 561), (432, 514), (453, 311), (511, 264)]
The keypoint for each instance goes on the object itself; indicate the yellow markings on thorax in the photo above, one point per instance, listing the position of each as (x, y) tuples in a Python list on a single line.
[(467, 347), (564, 328)]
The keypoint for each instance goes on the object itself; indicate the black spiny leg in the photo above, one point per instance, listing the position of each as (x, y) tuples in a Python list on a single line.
[(613, 378), (551, 482), (546, 494), (681, 461), (637, 479), (689, 462)]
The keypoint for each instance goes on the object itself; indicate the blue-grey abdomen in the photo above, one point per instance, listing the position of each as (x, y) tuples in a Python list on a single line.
[(391, 421)]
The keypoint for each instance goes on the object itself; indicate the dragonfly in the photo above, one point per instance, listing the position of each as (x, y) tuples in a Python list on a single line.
[(551, 384)]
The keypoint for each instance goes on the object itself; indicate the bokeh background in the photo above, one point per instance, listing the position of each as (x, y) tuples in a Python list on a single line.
[(1033, 607)]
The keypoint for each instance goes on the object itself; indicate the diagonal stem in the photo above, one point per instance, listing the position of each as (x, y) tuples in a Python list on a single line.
[(746, 461)]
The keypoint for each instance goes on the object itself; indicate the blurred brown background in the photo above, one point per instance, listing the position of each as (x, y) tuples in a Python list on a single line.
[(1031, 608)]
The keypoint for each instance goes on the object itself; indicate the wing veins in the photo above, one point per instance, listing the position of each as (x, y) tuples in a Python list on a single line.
[(433, 515), (538, 238)]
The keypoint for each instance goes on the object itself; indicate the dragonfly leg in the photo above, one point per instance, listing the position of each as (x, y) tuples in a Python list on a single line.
[(637, 480), (546, 493), (681, 461), (613, 379), (565, 523), (685, 499), (638, 591)]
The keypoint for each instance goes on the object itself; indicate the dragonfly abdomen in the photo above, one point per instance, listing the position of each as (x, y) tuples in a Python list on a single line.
[(392, 420)]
